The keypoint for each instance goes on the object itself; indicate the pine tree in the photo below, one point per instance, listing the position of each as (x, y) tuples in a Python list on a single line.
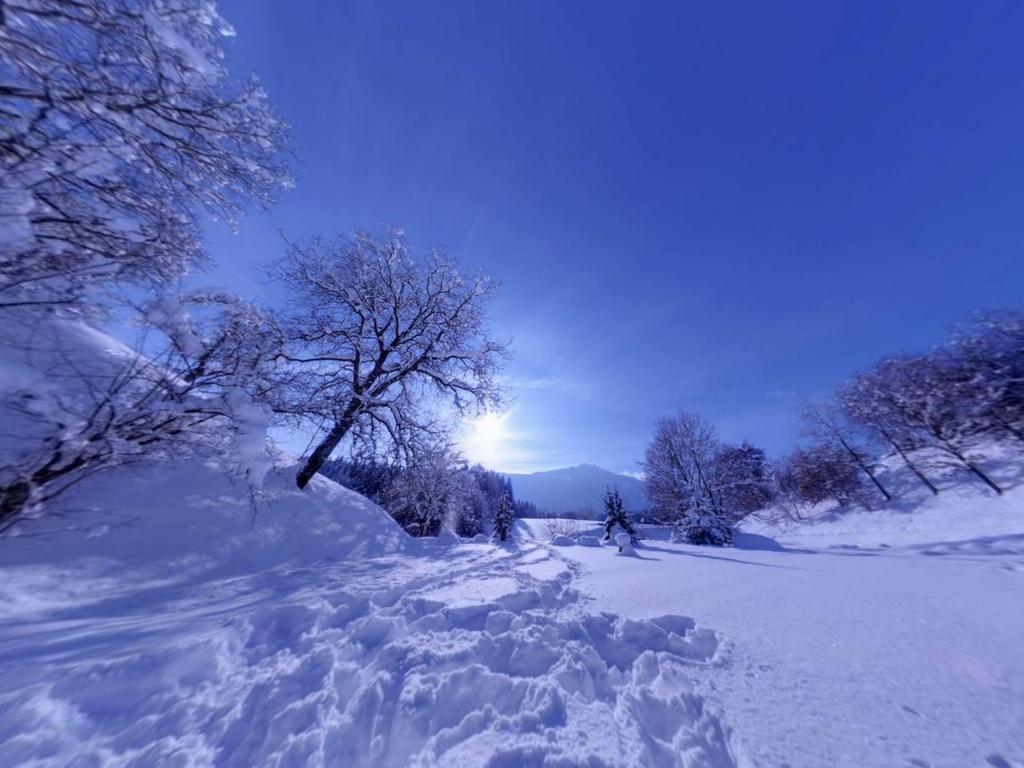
[(504, 518), (615, 515)]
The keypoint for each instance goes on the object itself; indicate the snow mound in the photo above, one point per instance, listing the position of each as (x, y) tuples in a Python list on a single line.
[(194, 516), (561, 540), (625, 544)]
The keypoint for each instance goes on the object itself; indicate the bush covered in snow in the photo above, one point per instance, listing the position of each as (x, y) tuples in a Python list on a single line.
[(700, 485)]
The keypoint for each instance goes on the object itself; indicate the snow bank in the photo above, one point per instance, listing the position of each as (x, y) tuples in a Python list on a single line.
[(160, 515), (196, 517)]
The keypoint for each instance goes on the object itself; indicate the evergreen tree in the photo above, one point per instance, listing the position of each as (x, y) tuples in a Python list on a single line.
[(504, 518), (615, 515)]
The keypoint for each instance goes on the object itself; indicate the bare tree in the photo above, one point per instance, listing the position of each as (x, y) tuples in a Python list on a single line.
[(117, 128), (868, 400), (918, 396), (744, 476), (823, 421), (680, 473), (377, 337), (825, 471), (789, 502), (87, 411)]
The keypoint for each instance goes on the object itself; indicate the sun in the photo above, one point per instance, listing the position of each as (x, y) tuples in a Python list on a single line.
[(487, 437)]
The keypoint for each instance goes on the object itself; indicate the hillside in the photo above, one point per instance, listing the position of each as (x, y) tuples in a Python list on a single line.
[(577, 488)]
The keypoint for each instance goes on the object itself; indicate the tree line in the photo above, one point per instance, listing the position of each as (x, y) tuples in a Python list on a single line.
[(948, 408), (439, 492)]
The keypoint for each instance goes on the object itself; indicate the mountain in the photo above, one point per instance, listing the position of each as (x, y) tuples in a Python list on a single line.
[(577, 488)]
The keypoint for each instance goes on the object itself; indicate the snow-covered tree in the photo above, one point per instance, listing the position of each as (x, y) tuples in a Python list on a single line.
[(93, 409), (825, 423), (118, 129), (615, 515), (378, 337), (504, 518), (423, 497), (681, 483), (987, 355), (866, 402), (919, 397), (436, 491)]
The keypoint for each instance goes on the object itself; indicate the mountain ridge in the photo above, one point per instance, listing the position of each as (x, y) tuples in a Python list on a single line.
[(577, 488)]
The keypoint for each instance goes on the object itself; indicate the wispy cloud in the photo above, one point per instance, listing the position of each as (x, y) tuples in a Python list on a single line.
[(577, 388)]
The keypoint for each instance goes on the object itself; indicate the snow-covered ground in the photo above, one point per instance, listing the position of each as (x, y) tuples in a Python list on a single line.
[(169, 627), (159, 623), (874, 639)]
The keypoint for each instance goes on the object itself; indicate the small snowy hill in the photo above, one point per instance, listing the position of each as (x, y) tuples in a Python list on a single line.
[(195, 517), (964, 509), (155, 509), (577, 488)]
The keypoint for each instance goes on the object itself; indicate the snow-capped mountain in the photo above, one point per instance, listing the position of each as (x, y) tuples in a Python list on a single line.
[(577, 488)]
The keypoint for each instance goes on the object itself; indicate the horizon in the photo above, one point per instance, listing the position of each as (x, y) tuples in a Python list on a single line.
[(687, 208)]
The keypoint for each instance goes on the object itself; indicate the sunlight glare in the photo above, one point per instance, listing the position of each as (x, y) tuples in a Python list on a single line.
[(485, 442)]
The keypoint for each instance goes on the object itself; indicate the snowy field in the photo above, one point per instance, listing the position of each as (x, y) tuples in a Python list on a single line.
[(289, 640), (159, 623), (835, 654)]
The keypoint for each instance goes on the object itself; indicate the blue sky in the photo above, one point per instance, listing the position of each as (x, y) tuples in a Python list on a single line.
[(713, 206)]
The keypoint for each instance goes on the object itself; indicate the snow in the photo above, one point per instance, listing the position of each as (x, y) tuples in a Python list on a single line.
[(372, 649), (625, 544), (869, 639), (161, 624)]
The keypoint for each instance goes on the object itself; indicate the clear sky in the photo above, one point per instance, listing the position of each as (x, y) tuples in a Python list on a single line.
[(713, 206)]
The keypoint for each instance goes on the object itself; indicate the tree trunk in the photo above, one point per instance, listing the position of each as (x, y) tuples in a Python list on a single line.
[(910, 465), (866, 469), (985, 478), (326, 447), (16, 495), (974, 468)]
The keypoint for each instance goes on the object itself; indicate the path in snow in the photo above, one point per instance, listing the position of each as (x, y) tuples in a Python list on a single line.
[(460, 656), (845, 656)]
